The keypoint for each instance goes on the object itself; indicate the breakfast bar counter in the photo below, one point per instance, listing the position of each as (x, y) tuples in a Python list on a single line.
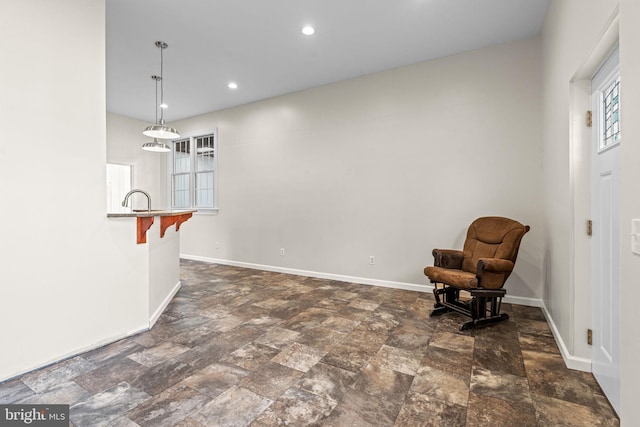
[(145, 220)]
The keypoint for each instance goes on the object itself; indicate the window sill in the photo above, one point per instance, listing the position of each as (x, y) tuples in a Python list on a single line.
[(205, 212)]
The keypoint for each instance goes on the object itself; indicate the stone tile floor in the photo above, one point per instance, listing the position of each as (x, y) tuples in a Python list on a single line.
[(243, 347)]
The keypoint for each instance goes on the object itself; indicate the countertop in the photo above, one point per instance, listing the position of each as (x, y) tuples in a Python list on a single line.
[(143, 213)]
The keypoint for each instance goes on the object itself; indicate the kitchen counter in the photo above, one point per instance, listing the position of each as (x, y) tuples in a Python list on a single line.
[(143, 213)]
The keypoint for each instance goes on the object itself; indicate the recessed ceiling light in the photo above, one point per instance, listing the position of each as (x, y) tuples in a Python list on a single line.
[(308, 30), (163, 106), (232, 85)]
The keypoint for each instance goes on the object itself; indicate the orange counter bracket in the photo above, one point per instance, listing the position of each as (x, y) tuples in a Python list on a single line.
[(144, 224), (168, 221)]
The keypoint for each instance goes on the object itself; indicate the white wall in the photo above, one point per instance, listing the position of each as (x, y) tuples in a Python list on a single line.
[(630, 207), (124, 146), (572, 33), (391, 165), (65, 282)]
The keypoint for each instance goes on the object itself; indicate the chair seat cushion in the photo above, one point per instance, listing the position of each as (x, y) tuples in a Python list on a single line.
[(457, 278)]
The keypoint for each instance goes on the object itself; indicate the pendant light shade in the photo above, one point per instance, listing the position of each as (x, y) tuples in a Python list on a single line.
[(156, 146), (159, 130)]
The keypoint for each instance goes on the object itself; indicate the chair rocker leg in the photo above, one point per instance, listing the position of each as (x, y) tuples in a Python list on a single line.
[(478, 323), (479, 312), (484, 307), (439, 310)]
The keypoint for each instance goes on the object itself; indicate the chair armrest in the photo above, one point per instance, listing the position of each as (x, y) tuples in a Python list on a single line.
[(447, 258), (494, 265)]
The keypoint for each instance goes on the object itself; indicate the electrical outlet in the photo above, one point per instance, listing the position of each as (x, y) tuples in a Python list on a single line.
[(635, 236), (281, 251), (372, 260)]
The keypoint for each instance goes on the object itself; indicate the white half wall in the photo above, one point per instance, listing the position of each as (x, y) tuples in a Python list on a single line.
[(389, 165), (164, 267)]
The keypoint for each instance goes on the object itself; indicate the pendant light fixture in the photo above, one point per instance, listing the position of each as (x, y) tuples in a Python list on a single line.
[(159, 130), (156, 146)]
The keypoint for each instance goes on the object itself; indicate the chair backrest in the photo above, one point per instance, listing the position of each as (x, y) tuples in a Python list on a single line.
[(492, 237)]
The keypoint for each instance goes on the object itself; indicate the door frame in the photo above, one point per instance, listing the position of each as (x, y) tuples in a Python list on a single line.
[(575, 349)]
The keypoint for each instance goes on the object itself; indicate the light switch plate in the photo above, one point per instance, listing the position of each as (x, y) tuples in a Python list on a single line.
[(635, 236)]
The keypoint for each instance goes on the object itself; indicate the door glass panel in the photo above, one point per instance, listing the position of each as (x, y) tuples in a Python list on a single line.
[(611, 113)]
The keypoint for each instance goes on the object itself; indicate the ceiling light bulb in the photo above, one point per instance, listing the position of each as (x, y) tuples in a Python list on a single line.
[(232, 85), (308, 30), (163, 106)]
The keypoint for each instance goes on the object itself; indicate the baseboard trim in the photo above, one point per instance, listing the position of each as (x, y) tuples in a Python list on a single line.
[(156, 315), (317, 274), (75, 353), (573, 362), (154, 318), (531, 302), (350, 279)]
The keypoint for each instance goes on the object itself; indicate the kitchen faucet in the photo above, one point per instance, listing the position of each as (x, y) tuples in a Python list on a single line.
[(125, 202)]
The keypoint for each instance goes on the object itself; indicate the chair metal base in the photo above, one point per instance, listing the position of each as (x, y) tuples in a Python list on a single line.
[(472, 324), (439, 310), (483, 308)]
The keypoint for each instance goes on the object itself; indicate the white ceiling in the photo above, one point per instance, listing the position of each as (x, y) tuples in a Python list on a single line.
[(259, 45)]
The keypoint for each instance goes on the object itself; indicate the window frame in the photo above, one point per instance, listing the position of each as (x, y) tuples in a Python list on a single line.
[(193, 172)]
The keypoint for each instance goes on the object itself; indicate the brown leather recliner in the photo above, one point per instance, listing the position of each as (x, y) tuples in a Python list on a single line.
[(481, 268)]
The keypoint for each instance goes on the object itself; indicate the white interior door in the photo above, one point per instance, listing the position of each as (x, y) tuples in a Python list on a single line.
[(118, 185), (605, 244)]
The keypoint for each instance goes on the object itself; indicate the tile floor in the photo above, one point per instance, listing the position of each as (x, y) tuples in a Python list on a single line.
[(243, 347)]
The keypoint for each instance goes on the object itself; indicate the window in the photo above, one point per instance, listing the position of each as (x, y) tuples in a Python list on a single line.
[(193, 169), (606, 102)]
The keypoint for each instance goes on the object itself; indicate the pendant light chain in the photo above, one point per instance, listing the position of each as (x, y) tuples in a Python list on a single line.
[(162, 47), (156, 79), (159, 129)]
